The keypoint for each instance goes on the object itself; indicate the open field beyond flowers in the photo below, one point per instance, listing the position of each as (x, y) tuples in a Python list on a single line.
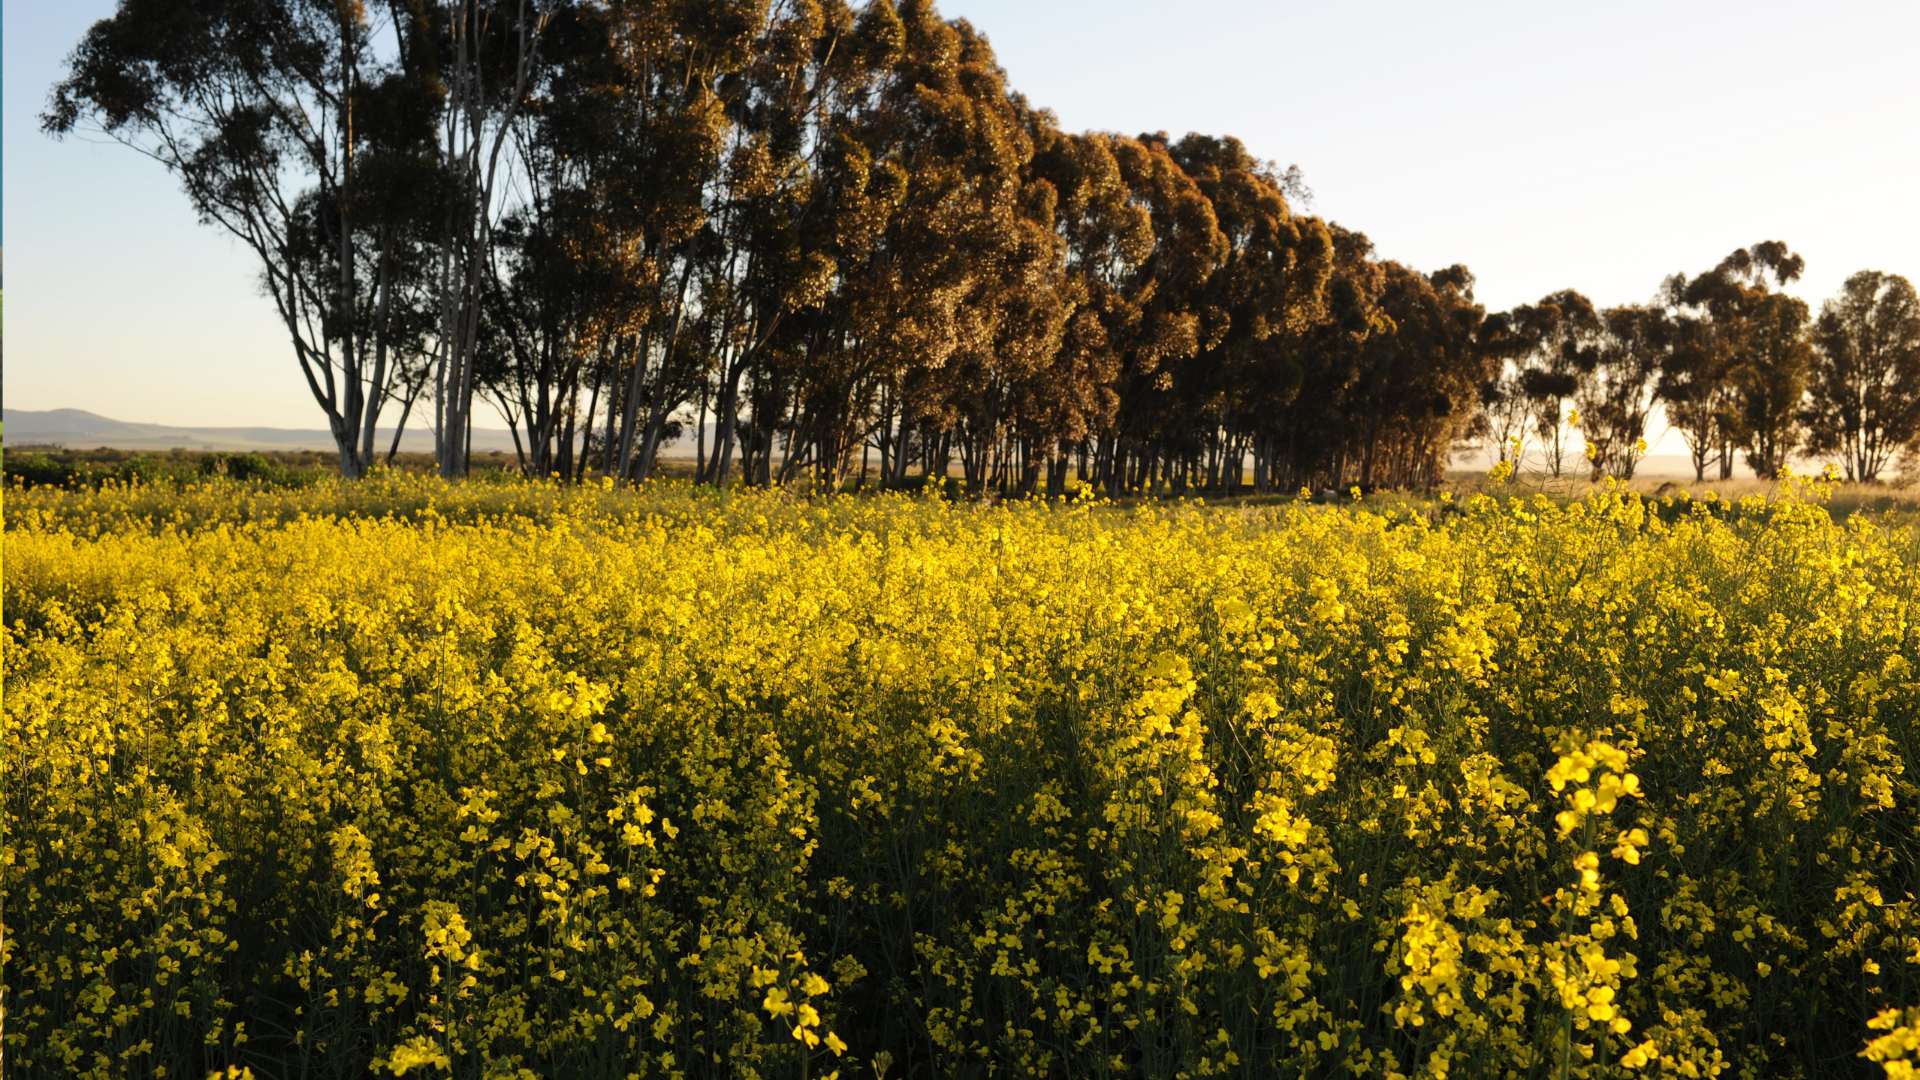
[(515, 779)]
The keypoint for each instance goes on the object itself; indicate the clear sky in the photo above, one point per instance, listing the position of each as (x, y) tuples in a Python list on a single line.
[(1545, 144)]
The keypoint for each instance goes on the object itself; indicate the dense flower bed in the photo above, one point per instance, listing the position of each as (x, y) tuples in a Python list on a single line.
[(524, 780)]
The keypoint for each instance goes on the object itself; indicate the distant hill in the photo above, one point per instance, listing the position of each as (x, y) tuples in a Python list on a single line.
[(78, 429)]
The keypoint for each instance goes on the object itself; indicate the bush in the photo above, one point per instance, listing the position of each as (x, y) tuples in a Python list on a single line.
[(32, 468)]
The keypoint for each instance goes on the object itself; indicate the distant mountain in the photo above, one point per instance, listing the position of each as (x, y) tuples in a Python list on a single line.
[(78, 429)]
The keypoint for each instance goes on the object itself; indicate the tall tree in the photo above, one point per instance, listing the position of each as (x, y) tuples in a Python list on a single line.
[(1271, 284), (290, 127), (1322, 418), (1107, 236), (1556, 332), (1160, 303), (998, 394), (1618, 379), (484, 57), (1865, 387), (920, 155), (1771, 384), (1695, 386), (1506, 410), (1423, 379), (1738, 371), (774, 261)]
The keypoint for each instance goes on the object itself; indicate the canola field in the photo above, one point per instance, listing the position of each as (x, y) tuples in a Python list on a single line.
[(516, 780)]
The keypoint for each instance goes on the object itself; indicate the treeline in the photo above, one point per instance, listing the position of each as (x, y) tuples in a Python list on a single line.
[(1741, 369), (834, 244)]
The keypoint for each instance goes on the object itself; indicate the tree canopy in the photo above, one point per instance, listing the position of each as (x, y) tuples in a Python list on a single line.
[(830, 241)]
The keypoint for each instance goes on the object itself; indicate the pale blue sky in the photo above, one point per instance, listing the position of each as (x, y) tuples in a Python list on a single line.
[(1544, 144)]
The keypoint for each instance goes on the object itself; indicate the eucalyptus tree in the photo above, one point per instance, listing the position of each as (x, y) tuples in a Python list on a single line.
[(1738, 373), (1695, 388), (1618, 379), (295, 128), (1161, 306), (1865, 386), (1326, 405), (1771, 386), (563, 282), (688, 163), (1106, 237), (484, 60), (1506, 410), (976, 267), (772, 260), (951, 294), (562, 277), (996, 393), (845, 369), (1552, 335), (551, 281), (1425, 377), (1271, 282)]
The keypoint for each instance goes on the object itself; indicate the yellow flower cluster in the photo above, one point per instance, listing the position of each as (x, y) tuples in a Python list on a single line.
[(1898, 1050), (512, 779), (1605, 767)]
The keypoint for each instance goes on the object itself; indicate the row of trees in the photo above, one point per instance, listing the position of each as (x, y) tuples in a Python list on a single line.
[(832, 242), (1740, 368)]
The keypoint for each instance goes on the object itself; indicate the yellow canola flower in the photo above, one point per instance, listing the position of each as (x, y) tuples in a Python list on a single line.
[(516, 778)]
